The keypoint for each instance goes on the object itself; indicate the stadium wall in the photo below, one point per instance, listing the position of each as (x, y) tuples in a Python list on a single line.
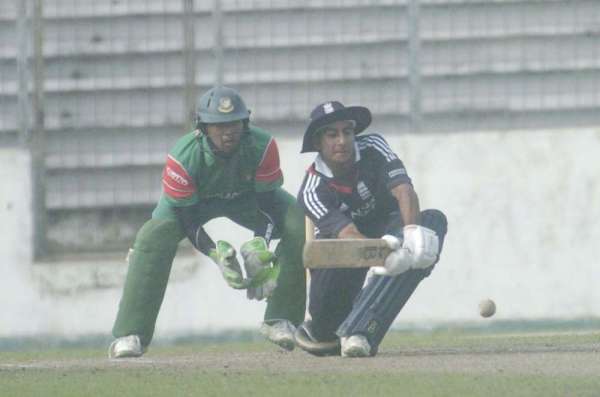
[(522, 209)]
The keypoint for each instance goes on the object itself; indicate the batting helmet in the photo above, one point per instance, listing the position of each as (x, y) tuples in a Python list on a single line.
[(221, 104)]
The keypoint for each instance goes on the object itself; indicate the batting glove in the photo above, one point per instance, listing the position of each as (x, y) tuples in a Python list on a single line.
[(398, 261), (224, 256), (423, 245)]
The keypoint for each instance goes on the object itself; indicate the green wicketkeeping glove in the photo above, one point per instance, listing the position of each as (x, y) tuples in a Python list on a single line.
[(224, 256), (258, 262), (256, 255)]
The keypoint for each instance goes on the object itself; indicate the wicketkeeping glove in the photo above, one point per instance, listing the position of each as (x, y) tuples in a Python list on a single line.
[(224, 256), (260, 268)]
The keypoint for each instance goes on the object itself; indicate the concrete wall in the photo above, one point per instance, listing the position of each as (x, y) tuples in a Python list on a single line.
[(18, 294), (522, 209)]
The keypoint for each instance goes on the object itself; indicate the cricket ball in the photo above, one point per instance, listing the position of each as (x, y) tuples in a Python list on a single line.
[(487, 308)]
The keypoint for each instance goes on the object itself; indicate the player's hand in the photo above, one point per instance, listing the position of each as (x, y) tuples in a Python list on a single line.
[(224, 256), (398, 261), (258, 262), (423, 245)]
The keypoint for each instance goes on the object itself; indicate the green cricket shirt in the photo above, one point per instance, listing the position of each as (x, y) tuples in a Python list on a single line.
[(193, 172)]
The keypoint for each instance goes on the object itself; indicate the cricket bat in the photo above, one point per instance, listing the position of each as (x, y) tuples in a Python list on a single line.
[(347, 253), (340, 253)]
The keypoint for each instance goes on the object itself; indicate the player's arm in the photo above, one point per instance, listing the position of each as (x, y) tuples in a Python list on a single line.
[(256, 254), (269, 215), (408, 203), (268, 177), (395, 177), (189, 219), (180, 191), (392, 173), (419, 245)]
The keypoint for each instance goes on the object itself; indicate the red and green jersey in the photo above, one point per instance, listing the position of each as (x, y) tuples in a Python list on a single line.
[(193, 172)]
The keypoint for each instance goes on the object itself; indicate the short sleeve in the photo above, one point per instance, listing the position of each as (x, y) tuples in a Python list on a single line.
[(178, 186), (268, 173), (393, 171)]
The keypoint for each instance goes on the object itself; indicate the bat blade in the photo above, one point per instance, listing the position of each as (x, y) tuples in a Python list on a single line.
[(345, 253)]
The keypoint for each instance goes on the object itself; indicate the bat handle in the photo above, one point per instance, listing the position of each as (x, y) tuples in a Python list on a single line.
[(309, 229)]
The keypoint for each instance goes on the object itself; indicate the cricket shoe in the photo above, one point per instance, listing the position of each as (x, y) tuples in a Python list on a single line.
[(355, 346), (126, 346), (281, 333)]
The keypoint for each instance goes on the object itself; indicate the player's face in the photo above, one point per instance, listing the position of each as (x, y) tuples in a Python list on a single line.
[(336, 142), (226, 136)]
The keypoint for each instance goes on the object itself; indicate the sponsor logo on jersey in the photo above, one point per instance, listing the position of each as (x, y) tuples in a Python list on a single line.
[(225, 105), (224, 196), (363, 190), (399, 171), (176, 177), (229, 196), (365, 209)]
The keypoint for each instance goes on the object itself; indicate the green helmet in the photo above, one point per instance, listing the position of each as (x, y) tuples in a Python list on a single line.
[(221, 104)]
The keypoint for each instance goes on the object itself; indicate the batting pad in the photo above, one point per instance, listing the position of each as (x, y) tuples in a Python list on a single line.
[(378, 304)]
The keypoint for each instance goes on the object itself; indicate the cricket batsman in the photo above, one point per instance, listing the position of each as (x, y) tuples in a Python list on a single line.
[(358, 188), (228, 168)]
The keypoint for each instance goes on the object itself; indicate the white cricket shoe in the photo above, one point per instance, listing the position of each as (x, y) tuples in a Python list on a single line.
[(126, 346), (281, 333), (355, 346)]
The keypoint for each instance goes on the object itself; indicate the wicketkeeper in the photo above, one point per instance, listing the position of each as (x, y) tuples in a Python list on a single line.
[(224, 168), (358, 188)]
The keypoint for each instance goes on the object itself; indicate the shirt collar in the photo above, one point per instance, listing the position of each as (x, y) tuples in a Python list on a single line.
[(324, 169)]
